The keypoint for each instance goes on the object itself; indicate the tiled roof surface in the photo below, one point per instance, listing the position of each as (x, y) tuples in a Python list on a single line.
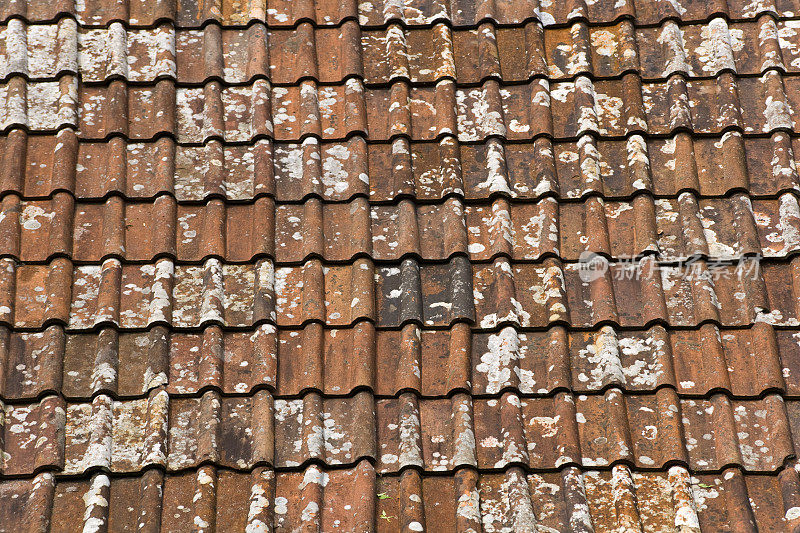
[(319, 265)]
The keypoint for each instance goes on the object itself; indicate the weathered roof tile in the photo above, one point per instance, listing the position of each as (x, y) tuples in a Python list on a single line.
[(272, 265), (433, 362), (38, 165)]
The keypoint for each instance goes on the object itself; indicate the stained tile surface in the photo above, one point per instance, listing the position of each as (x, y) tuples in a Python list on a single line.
[(399, 265)]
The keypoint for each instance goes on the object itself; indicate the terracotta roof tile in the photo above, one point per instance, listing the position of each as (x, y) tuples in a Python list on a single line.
[(433, 362), (38, 230), (37, 165), (399, 265), (567, 498), (379, 12), (738, 293), (563, 110), (381, 56), (596, 430)]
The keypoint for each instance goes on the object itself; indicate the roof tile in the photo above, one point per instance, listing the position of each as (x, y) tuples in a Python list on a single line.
[(274, 265), (647, 431), (709, 166), (568, 498), (433, 362), (379, 12), (563, 110), (530, 295), (381, 56)]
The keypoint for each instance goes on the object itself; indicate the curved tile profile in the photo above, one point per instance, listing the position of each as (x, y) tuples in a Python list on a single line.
[(139, 295), (747, 362), (645, 431), (471, 56), (380, 12), (399, 265), (735, 293), (36, 166), (563, 110), (630, 294), (418, 55), (573, 499)]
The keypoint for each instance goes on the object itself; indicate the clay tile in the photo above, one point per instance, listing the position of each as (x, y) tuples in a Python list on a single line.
[(298, 169), (448, 440), (773, 52), (596, 221), (409, 443), (720, 425), (8, 275), (735, 161), (400, 179), (447, 292), (310, 343), (441, 62), (739, 350), (487, 53), (35, 497), (481, 112), (193, 15), (399, 111), (361, 356), (606, 435), (40, 106), (401, 298), (13, 173), (495, 295), (691, 231), (666, 53), (623, 488), (717, 37), (256, 227), (41, 423), (289, 12), (348, 231), (729, 107), (16, 50), (211, 52), (348, 435), (385, 54), (347, 40), (579, 59), (776, 219), (700, 360), (30, 363), (257, 349), (684, 160), (10, 227), (498, 361), (458, 353), (602, 359), (542, 177), (521, 52), (668, 421), (500, 432), (395, 230), (782, 168), (678, 114), (442, 229), (640, 282), (294, 54), (490, 230)]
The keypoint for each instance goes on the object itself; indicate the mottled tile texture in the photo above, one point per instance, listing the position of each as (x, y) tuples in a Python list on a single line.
[(314, 265)]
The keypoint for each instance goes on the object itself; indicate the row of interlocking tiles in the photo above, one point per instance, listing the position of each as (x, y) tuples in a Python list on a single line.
[(312, 265)]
